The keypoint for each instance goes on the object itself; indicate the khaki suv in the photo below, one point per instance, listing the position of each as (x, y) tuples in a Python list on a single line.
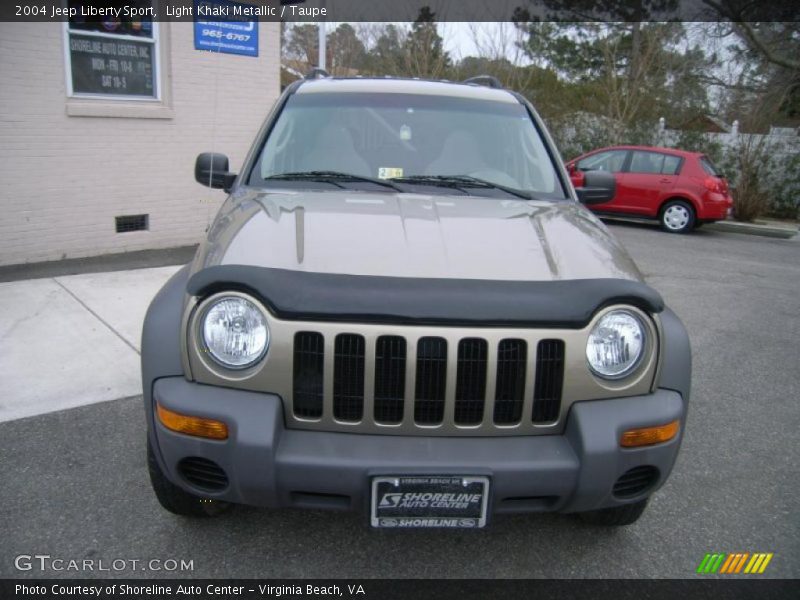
[(403, 309)]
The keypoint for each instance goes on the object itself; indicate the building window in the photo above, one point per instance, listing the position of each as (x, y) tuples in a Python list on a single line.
[(113, 58)]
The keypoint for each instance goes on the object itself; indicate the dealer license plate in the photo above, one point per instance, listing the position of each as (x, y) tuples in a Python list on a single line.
[(429, 501)]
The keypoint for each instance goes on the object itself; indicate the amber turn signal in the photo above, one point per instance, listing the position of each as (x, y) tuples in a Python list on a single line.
[(647, 436), (197, 426)]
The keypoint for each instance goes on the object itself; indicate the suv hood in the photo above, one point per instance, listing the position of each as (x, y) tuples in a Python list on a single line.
[(414, 235)]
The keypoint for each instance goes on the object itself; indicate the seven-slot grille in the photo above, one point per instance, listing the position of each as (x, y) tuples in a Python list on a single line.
[(436, 365)]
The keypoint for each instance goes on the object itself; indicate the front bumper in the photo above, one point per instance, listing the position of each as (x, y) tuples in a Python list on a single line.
[(269, 465)]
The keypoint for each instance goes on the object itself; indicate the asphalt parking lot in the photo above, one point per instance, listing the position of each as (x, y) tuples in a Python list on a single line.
[(75, 483)]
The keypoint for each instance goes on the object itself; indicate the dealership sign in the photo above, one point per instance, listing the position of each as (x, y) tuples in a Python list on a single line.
[(225, 31)]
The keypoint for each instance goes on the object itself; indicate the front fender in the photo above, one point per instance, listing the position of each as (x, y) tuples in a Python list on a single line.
[(676, 367), (161, 336)]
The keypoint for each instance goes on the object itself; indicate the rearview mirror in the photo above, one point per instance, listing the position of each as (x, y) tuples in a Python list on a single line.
[(211, 169), (598, 187)]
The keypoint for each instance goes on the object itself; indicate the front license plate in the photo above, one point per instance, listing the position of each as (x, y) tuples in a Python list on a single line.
[(429, 501)]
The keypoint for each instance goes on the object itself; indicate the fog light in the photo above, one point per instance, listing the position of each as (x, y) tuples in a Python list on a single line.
[(647, 436), (197, 426)]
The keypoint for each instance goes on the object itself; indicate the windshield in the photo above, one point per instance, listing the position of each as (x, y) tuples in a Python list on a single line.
[(407, 138)]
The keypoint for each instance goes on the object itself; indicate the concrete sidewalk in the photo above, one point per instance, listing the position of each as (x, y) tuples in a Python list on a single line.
[(72, 340)]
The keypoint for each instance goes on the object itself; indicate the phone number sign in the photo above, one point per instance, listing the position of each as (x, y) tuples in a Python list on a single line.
[(225, 31)]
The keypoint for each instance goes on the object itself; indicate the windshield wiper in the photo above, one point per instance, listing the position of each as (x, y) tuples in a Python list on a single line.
[(461, 181), (333, 177)]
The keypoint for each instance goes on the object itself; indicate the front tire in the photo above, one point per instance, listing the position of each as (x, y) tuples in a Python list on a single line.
[(176, 500), (617, 516), (677, 216)]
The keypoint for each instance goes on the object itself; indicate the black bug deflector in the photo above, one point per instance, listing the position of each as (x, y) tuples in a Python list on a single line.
[(298, 295)]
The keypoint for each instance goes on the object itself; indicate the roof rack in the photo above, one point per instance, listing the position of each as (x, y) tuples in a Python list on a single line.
[(317, 73), (487, 80)]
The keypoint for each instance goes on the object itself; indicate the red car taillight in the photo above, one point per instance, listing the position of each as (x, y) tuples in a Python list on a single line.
[(716, 184)]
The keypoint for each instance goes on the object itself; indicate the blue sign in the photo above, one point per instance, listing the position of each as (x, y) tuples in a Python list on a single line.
[(222, 26)]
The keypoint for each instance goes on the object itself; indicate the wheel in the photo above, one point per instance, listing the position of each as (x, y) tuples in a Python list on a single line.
[(174, 499), (616, 516), (677, 216)]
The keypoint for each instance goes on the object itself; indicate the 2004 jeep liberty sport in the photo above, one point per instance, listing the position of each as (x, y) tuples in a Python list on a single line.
[(402, 308)]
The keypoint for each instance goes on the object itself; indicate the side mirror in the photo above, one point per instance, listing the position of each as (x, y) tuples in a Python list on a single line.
[(211, 169), (598, 187)]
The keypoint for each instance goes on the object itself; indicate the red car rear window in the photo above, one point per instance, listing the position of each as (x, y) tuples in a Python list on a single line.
[(709, 167)]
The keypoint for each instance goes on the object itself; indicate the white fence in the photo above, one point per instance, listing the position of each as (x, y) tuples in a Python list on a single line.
[(782, 141)]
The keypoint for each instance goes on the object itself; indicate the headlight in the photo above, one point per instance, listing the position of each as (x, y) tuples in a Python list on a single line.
[(235, 332), (616, 344)]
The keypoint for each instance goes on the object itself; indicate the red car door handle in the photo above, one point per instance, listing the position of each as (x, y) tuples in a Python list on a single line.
[(665, 180)]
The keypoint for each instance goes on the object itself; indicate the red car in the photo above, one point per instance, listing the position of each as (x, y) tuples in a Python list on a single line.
[(681, 189)]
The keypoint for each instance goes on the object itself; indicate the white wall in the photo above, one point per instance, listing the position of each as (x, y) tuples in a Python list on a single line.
[(64, 177)]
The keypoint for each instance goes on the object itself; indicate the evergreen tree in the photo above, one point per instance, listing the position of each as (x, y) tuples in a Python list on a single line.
[(424, 48)]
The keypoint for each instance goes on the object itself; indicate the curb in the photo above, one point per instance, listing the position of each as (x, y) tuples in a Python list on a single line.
[(104, 263), (752, 229)]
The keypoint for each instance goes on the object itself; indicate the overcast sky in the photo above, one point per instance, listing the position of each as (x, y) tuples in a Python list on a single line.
[(459, 37), (470, 39), (493, 39)]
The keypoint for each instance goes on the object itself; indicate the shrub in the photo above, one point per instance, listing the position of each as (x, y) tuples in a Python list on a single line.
[(764, 177), (579, 133), (785, 193)]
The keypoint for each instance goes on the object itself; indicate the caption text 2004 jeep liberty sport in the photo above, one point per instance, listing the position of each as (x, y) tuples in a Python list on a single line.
[(402, 308)]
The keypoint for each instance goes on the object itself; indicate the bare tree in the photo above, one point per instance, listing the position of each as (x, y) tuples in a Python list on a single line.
[(500, 45), (301, 43), (627, 88), (780, 50), (765, 83)]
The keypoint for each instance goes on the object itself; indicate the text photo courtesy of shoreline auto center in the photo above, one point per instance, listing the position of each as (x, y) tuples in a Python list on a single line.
[(391, 299)]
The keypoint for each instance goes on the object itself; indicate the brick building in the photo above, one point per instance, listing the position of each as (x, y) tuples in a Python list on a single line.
[(101, 123)]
